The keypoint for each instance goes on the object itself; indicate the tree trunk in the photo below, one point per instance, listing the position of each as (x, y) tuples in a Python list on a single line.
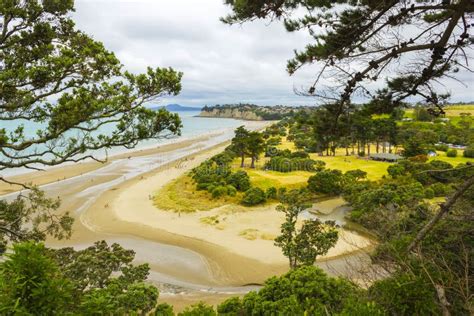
[(242, 161), (253, 163), (347, 151), (368, 149), (377, 148)]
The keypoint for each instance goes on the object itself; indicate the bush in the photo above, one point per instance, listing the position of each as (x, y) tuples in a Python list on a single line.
[(164, 310), (303, 291), (272, 193), (284, 164), (240, 180), (299, 154), (452, 153), (219, 191), (327, 182), (439, 189), (254, 196), (442, 147), (429, 193), (396, 170), (231, 190), (469, 152), (199, 309)]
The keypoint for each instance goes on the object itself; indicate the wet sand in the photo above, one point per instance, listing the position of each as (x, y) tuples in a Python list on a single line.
[(189, 260)]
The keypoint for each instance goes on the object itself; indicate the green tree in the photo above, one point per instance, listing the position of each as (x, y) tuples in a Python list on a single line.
[(359, 43), (327, 182), (301, 245), (240, 143), (97, 280), (43, 58), (304, 291), (32, 284), (32, 217), (255, 146)]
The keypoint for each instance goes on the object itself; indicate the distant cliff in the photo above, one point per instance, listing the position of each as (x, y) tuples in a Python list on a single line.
[(177, 108), (249, 112)]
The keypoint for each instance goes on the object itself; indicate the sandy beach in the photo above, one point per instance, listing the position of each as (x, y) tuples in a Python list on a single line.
[(186, 252)]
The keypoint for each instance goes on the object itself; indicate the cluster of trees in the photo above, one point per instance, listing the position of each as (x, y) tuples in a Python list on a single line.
[(398, 211), (100, 279), (215, 175), (247, 144), (287, 161), (357, 131)]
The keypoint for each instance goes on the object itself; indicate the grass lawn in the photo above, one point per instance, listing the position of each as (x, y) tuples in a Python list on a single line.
[(452, 160), (375, 169)]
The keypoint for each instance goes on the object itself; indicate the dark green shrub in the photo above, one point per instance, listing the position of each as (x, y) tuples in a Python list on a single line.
[(231, 190), (327, 182), (254, 196), (200, 309), (406, 294), (304, 291), (452, 153), (439, 189), (396, 170), (299, 154), (469, 152), (164, 310), (429, 193), (219, 191), (442, 147), (239, 180), (272, 193)]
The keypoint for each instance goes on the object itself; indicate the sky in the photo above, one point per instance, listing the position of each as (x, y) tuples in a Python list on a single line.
[(221, 63)]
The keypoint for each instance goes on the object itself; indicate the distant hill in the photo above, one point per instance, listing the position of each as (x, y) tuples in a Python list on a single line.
[(249, 112), (177, 108)]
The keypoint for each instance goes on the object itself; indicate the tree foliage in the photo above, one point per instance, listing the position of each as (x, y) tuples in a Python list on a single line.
[(302, 242), (59, 79), (357, 43), (95, 281)]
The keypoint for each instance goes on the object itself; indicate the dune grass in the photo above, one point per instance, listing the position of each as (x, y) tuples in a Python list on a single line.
[(181, 195)]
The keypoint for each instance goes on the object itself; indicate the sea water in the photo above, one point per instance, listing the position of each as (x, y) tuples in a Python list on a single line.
[(193, 126)]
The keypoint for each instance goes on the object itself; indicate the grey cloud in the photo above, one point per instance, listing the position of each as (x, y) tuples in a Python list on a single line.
[(221, 63)]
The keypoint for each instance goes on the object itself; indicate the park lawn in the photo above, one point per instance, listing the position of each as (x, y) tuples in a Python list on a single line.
[(375, 169), (453, 112), (181, 195), (452, 160)]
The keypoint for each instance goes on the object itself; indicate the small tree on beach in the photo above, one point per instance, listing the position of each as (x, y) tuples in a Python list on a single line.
[(301, 245)]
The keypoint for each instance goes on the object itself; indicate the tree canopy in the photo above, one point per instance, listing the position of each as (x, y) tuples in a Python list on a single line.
[(74, 91), (410, 45)]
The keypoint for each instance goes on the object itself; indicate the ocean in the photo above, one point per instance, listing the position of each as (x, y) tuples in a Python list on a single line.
[(193, 126)]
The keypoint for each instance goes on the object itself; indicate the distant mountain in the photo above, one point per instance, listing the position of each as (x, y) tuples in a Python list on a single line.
[(177, 108)]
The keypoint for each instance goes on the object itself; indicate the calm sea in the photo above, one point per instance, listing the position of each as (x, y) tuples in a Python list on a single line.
[(192, 126)]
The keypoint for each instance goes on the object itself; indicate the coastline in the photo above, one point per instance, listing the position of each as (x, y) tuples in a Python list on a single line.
[(113, 202)]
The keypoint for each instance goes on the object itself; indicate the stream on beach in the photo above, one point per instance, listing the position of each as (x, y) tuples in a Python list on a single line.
[(167, 261)]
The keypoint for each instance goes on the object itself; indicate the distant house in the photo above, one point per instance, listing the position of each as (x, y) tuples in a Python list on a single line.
[(386, 157)]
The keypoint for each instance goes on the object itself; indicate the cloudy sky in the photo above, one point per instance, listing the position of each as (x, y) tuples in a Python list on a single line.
[(221, 63)]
